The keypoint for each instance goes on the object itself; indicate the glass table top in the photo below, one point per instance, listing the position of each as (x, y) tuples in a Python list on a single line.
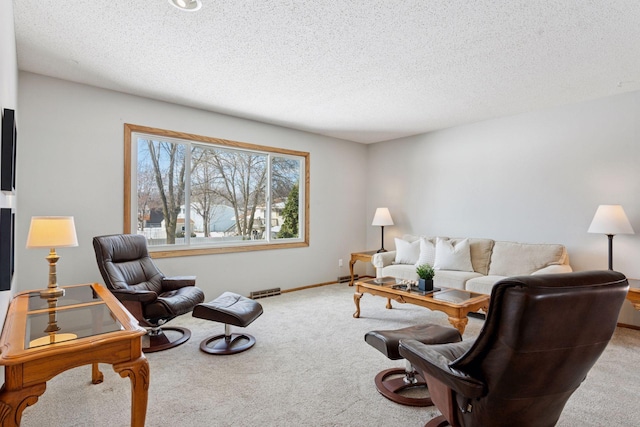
[(456, 296), (80, 313), (72, 295)]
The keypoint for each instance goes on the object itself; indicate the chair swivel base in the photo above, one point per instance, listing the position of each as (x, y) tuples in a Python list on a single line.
[(159, 341), (227, 344), (391, 382)]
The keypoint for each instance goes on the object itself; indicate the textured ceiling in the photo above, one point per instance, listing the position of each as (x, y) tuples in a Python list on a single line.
[(366, 71)]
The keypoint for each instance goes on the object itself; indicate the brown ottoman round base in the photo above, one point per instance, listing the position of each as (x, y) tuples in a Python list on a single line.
[(227, 344), (391, 383)]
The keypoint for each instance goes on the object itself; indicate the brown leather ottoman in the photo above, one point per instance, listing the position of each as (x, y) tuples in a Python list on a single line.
[(230, 309), (388, 382)]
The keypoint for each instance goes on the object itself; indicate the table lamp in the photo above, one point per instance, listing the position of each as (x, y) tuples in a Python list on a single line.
[(382, 217), (610, 220), (52, 232)]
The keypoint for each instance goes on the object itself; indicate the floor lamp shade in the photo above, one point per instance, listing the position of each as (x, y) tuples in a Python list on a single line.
[(610, 220), (381, 218)]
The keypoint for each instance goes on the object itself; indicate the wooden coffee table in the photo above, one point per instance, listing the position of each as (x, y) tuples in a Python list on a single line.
[(455, 303)]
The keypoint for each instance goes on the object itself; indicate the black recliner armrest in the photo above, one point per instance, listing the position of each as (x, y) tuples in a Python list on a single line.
[(434, 360), (177, 282), (142, 296)]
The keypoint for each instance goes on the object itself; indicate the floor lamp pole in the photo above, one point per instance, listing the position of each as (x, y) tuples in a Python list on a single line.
[(382, 249), (610, 236)]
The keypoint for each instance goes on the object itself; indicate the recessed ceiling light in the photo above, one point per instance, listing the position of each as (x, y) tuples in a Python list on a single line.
[(187, 5)]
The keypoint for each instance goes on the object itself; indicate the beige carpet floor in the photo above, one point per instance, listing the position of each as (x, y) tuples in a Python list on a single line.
[(309, 367)]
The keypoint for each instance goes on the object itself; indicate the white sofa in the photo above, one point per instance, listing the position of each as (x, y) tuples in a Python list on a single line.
[(471, 264)]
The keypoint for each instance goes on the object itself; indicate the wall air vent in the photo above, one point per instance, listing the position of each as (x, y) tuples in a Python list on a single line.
[(264, 293)]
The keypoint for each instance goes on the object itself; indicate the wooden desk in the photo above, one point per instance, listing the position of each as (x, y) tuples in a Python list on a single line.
[(359, 256), (43, 338)]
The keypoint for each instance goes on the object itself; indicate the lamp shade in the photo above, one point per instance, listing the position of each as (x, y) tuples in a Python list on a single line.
[(610, 219), (382, 217), (52, 232)]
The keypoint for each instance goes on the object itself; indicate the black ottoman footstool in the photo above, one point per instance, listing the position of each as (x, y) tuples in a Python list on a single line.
[(230, 309), (389, 382)]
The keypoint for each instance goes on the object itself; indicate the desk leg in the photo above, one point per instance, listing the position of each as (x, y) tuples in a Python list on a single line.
[(138, 372), (351, 263), (96, 375), (356, 299), (13, 402)]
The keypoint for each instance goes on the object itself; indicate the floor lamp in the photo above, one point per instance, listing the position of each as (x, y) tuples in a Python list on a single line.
[(610, 220), (382, 218)]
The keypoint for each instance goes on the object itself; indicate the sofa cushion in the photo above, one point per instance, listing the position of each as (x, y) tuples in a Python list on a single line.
[(480, 253), (400, 271), (515, 259), (452, 255), (427, 251), (453, 279), (407, 252), (482, 284)]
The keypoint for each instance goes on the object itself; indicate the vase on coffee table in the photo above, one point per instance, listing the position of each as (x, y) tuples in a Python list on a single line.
[(425, 285)]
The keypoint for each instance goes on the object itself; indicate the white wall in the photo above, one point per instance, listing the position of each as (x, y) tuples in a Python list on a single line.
[(71, 162), (8, 98), (535, 177)]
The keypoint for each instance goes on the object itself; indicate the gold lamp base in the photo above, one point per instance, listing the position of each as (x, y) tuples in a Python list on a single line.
[(52, 293)]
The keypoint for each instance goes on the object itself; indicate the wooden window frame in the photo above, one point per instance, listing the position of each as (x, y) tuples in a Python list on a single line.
[(129, 169)]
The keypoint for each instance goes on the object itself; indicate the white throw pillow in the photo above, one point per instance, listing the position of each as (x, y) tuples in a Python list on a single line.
[(427, 252), (450, 257), (407, 252)]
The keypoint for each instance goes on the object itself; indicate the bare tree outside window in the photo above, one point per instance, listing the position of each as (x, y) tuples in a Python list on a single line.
[(167, 161), (148, 197), (243, 185), (205, 183)]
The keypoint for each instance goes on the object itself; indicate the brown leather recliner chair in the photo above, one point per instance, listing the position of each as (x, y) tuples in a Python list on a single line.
[(541, 337), (153, 299)]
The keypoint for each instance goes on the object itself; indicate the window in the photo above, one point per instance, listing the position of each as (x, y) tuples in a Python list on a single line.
[(191, 194)]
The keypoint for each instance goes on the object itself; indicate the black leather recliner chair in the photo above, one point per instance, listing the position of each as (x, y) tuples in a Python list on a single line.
[(541, 337), (153, 299)]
